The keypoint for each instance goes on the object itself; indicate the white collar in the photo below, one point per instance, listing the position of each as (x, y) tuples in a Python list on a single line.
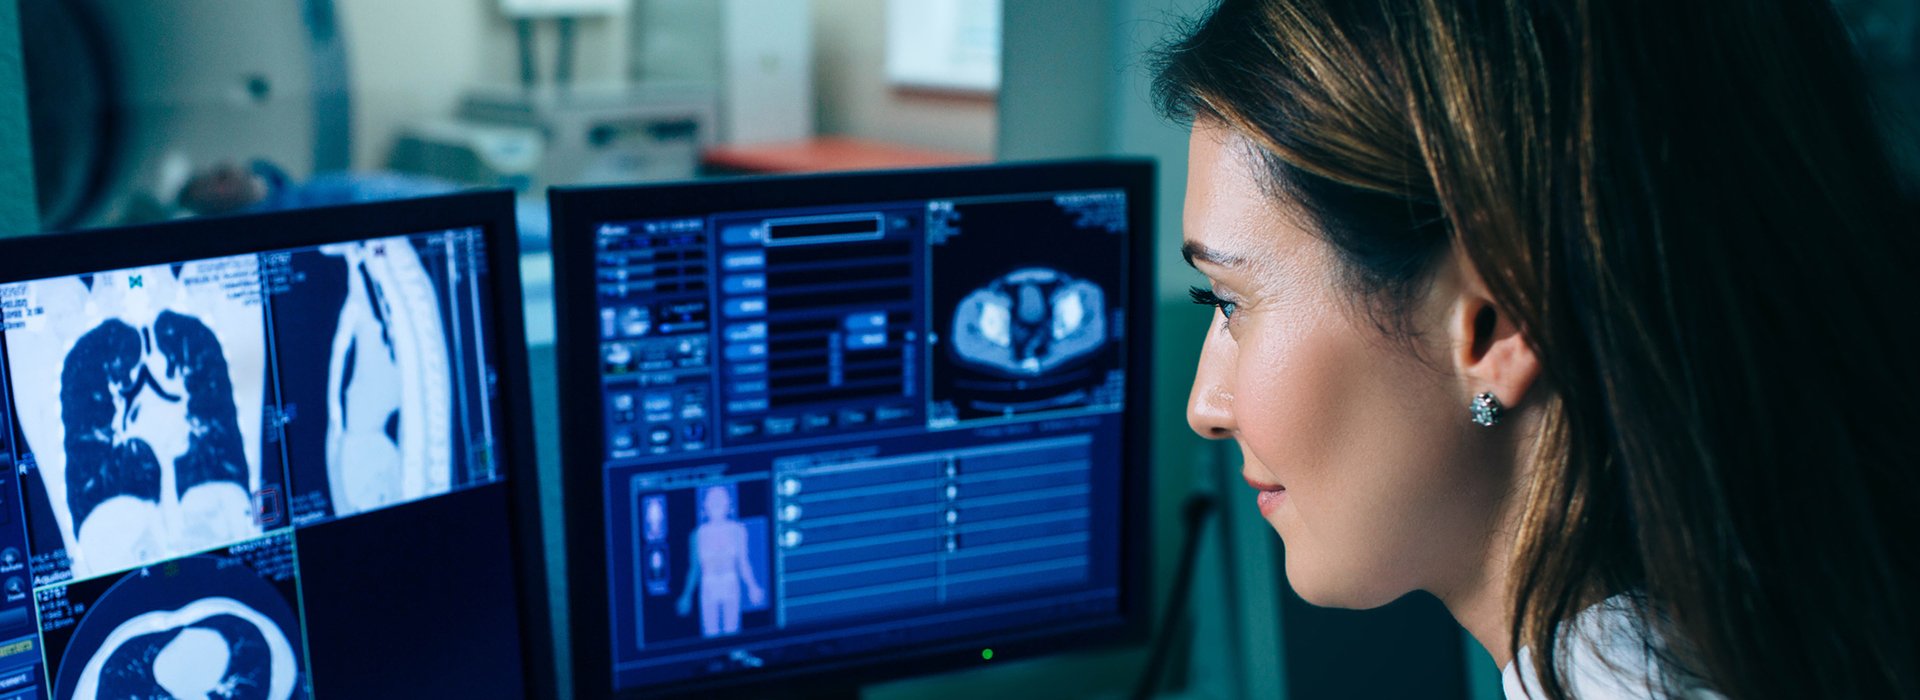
[(1606, 657)]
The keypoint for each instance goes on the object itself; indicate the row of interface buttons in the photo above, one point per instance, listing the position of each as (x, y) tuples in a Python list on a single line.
[(818, 421), (661, 438)]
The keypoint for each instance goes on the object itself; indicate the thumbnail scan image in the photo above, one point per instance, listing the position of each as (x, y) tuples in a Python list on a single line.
[(193, 628), (703, 566), (389, 413), (141, 394), (724, 569)]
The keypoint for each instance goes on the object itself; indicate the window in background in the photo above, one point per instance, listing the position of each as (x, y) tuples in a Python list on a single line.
[(946, 45)]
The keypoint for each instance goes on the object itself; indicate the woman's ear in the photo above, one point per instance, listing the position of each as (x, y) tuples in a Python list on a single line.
[(1489, 352)]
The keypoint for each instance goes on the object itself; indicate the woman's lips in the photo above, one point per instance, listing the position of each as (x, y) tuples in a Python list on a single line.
[(1270, 497)]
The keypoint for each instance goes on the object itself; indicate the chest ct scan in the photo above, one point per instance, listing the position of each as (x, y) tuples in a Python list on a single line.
[(148, 435)]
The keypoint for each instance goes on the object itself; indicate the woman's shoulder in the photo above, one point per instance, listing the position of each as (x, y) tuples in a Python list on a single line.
[(1605, 655)]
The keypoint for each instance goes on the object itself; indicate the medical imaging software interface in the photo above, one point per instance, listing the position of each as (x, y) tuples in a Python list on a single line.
[(833, 431), (200, 461)]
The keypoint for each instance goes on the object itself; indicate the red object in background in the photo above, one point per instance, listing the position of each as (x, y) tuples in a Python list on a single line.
[(828, 154)]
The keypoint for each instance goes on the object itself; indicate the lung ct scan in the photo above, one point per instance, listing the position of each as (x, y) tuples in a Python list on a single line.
[(140, 395), (217, 625)]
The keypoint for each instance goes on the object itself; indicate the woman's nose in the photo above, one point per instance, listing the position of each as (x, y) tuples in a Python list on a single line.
[(1210, 404)]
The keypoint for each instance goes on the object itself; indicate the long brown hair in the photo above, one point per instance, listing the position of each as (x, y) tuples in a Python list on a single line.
[(1687, 209)]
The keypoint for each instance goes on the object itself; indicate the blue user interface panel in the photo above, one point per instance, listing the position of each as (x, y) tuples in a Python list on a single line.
[(232, 477), (838, 431)]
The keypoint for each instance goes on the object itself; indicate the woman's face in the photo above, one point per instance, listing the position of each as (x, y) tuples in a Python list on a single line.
[(1359, 449)]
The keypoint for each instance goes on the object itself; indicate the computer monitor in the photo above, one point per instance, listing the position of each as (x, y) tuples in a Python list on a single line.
[(273, 456), (846, 427)]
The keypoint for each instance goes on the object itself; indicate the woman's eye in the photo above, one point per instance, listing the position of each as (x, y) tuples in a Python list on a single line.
[(1206, 297)]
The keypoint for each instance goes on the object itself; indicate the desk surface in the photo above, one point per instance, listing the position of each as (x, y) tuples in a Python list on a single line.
[(830, 153)]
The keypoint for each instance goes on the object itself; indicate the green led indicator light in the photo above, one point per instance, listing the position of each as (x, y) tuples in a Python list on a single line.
[(986, 654)]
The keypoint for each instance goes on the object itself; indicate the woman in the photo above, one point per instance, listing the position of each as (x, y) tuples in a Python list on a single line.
[(1594, 318)]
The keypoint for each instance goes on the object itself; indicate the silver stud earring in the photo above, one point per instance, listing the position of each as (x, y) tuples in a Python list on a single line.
[(1486, 409)]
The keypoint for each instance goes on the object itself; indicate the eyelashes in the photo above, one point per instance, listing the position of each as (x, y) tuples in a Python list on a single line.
[(1206, 297)]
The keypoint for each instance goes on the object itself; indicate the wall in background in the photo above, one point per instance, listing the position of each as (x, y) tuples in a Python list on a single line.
[(18, 213), (672, 41), (406, 61), (853, 98)]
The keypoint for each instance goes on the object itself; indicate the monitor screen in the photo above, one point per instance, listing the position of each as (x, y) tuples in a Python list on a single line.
[(829, 422), (276, 471)]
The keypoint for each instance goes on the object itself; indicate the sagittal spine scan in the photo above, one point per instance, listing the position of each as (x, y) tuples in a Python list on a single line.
[(389, 387), (1029, 322), (141, 396)]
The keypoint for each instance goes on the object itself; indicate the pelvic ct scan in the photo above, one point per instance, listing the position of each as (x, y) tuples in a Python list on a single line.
[(389, 385), (140, 394), (1030, 321), (1035, 333)]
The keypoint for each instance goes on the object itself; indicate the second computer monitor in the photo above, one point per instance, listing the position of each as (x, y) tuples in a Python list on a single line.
[(868, 424), (280, 456)]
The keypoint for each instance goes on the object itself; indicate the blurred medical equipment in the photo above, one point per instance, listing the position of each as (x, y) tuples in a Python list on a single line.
[(548, 135), (128, 99), (758, 52)]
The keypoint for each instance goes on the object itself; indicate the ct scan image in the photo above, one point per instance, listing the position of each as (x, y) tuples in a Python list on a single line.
[(140, 397), (1026, 315), (219, 625), (1029, 322), (372, 355)]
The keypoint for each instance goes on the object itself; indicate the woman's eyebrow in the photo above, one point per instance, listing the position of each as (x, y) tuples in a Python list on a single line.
[(1194, 250)]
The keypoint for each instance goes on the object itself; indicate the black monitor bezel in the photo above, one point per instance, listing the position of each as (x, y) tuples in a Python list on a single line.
[(577, 211), (50, 255)]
